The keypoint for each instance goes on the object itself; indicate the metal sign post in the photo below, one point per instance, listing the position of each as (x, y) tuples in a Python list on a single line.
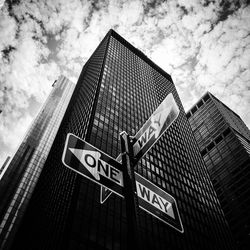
[(130, 192), (92, 163), (161, 119)]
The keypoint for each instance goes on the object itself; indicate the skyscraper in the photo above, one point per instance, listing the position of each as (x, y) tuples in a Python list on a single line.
[(20, 177), (118, 89), (224, 142)]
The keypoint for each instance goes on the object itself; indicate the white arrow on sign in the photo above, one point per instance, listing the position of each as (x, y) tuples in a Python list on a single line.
[(92, 163), (96, 167), (88, 159)]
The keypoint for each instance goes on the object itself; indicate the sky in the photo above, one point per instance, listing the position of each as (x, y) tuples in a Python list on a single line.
[(204, 45)]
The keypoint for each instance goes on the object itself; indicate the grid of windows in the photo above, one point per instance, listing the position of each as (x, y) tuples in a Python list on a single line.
[(23, 171), (130, 91), (4, 166), (232, 119), (55, 197), (118, 89), (223, 141)]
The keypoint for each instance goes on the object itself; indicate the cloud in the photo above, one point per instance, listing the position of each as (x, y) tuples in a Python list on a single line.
[(96, 21), (8, 29), (25, 73), (12, 134), (204, 45), (203, 49), (223, 61), (127, 14), (1, 3)]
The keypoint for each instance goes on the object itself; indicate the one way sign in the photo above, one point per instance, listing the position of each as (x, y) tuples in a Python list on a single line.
[(92, 163), (150, 132), (155, 126), (158, 203)]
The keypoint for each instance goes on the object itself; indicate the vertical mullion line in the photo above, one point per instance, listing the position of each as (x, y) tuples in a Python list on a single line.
[(93, 111)]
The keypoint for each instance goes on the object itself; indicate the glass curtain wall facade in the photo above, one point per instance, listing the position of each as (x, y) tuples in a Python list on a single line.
[(3, 167), (118, 89), (23, 171), (224, 143)]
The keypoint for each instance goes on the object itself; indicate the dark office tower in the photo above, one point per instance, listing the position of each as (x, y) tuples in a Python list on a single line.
[(21, 175), (224, 142), (118, 89)]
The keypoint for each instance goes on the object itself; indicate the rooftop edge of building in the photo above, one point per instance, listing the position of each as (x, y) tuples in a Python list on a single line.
[(139, 53), (206, 96)]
